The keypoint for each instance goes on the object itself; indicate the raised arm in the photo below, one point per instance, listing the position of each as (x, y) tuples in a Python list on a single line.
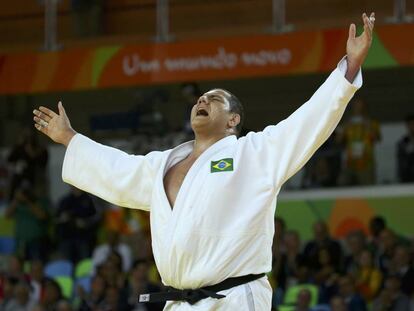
[(357, 47), (56, 126), (111, 174), (288, 145)]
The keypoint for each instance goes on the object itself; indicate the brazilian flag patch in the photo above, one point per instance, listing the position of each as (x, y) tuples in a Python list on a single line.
[(223, 165)]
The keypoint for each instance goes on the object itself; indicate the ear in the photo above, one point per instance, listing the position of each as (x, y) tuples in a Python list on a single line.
[(234, 120)]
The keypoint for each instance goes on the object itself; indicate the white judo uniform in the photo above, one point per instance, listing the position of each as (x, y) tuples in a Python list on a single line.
[(222, 223)]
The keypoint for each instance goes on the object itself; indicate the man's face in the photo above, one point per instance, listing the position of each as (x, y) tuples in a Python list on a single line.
[(211, 112)]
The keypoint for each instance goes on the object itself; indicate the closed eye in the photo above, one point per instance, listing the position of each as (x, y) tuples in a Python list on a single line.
[(215, 97)]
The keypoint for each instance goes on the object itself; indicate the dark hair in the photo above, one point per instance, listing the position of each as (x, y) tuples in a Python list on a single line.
[(236, 107), (379, 222), (55, 285), (281, 222), (138, 262)]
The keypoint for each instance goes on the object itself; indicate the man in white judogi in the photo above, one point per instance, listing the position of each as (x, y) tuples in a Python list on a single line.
[(212, 201)]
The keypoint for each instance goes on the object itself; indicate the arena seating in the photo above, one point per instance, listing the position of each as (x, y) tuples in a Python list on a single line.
[(21, 22)]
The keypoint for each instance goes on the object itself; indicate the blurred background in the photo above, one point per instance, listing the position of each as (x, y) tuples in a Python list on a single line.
[(128, 73)]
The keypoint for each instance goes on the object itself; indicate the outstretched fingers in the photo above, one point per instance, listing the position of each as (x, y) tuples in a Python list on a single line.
[(44, 113), (368, 24), (40, 121), (352, 31), (40, 126), (61, 109), (47, 111)]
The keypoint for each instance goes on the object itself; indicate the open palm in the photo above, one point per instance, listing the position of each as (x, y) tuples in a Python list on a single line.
[(357, 47), (56, 126)]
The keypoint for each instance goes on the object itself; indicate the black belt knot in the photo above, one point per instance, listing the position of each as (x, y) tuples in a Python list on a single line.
[(193, 296)]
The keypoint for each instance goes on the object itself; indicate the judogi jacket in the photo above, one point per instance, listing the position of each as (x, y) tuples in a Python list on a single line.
[(222, 223)]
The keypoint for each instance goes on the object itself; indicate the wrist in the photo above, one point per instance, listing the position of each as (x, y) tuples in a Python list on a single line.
[(68, 137), (352, 69)]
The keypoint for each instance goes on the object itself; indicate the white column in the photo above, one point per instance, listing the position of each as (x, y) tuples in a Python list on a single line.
[(50, 39), (400, 13), (279, 17), (163, 21)]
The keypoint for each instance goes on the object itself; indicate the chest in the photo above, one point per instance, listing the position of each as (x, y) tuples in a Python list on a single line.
[(174, 179)]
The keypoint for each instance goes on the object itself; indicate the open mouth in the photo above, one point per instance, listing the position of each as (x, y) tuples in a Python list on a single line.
[(202, 112)]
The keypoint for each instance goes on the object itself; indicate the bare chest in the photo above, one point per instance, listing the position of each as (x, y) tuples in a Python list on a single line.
[(174, 178)]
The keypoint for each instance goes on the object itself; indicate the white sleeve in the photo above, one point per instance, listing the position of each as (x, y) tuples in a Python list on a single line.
[(111, 174), (284, 148)]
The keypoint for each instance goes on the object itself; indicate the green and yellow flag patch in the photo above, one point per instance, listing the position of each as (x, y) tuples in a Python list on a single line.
[(223, 165)]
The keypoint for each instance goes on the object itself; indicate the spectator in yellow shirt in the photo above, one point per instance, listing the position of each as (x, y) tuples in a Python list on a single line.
[(358, 137), (368, 278)]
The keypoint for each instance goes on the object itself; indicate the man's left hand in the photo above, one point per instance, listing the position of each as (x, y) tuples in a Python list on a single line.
[(357, 47)]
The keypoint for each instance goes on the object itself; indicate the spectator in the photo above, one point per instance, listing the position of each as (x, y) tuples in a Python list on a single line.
[(303, 300), (322, 239), (387, 245), (21, 300), (31, 223), (277, 247), (359, 136), (280, 229), (102, 252), (290, 259), (76, 225), (391, 297), (9, 284), (64, 305), (52, 295), (402, 267), (37, 280), (114, 300), (405, 153), (94, 299), (111, 270), (353, 300), (139, 284), (326, 276), (15, 268), (303, 273), (323, 168), (368, 278), (376, 225), (338, 304), (355, 242), (28, 160)]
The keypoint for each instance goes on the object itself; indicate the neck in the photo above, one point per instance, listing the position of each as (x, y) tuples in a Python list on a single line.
[(202, 143)]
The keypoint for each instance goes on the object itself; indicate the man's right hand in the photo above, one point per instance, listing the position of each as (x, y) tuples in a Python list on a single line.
[(56, 126)]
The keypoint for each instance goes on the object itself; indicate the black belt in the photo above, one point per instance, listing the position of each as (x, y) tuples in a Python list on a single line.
[(192, 296)]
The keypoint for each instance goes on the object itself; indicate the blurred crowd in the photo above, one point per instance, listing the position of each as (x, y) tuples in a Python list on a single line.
[(361, 272)]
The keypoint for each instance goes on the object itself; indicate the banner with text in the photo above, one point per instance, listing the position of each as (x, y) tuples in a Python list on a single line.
[(218, 59)]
